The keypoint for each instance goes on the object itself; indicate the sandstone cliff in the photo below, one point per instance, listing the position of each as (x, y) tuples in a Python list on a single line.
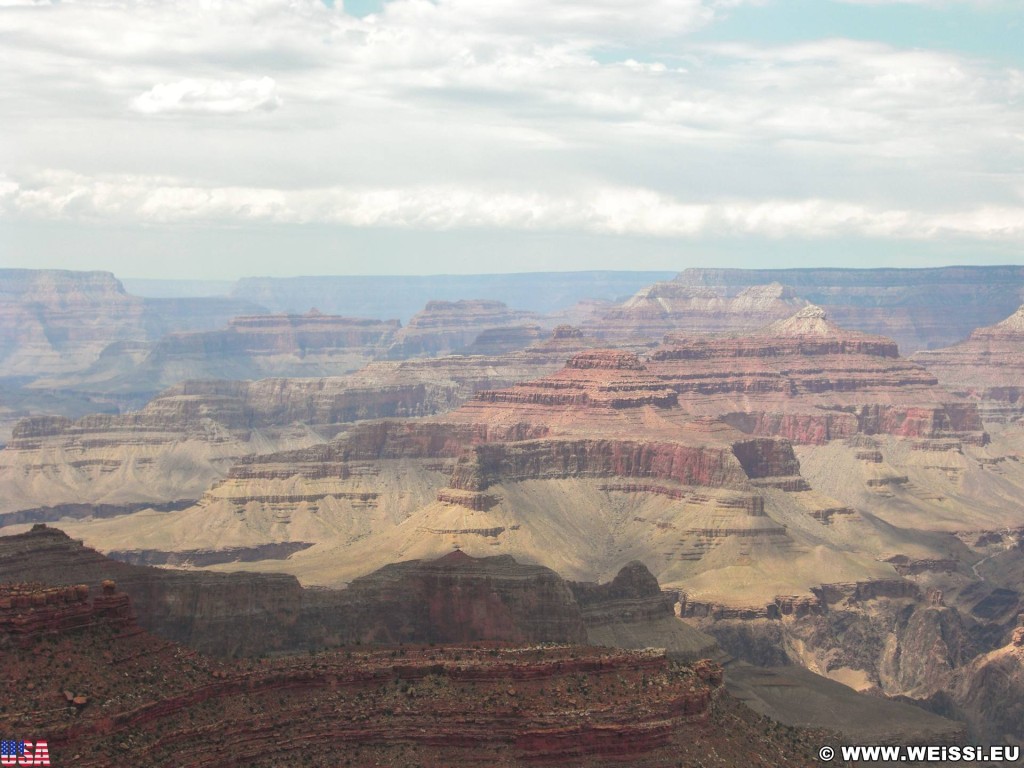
[(454, 599), (56, 320), (918, 308), (444, 327), (672, 306), (988, 367), (106, 695)]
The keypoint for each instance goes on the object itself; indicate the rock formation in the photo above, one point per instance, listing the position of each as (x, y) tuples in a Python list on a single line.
[(250, 347), (988, 367), (184, 440), (56, 320), (444, 327), (918, 308), (809, 380), (454, 599), (103, 696), (669, 307)]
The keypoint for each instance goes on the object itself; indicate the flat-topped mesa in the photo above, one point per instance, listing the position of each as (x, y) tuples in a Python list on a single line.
[(602, 378), (283, 334), (451, 326), (988, 367), (809, 332), (670, 306), (608, 359), (806, 379)]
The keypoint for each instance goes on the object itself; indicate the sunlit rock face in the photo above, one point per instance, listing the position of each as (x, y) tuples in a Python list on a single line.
[(988, 367), (918, 308)]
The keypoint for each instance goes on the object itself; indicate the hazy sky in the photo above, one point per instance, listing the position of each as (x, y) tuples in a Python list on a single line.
[(215, 138)]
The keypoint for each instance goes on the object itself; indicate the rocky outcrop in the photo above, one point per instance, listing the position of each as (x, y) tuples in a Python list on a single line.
[(806, 379), (989, 692), (102, 696), (121, 461), (454, 599), (988, 367), (458, 598), (631, 611), (257, 346), (918, 308), (444, 327), (671, 306), (54, 321)]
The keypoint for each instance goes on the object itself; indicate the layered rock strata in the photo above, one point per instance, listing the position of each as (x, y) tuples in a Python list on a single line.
[(54, 321), (106, 696), (918, 308), (988, 368), (444, 327), (806, 379), (670, 307), (456, 598), (186, 437)]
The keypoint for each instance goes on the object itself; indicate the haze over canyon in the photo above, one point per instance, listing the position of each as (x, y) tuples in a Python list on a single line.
[(740, 513)]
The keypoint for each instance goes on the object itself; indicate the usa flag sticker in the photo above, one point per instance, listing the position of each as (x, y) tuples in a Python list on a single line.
[(23, 752)]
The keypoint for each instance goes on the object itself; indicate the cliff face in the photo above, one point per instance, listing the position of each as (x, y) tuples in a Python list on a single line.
[(454, 599), (988, 367), (672, 306), (184, 439), (102, 694), (54, 321), (444, 327), (807, 379), (891, 638), (223, 614), (989, 692), (918, 308), (257, 346)]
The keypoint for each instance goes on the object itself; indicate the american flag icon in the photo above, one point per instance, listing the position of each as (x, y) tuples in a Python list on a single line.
[(12, 748)]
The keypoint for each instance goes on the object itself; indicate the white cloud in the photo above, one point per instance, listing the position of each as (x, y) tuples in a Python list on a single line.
[(590, 115), (217, 96), (607, 210)]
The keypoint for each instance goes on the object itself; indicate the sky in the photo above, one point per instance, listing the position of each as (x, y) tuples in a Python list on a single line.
[(221, 138)]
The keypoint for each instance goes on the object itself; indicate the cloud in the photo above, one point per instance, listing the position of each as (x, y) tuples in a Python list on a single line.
[(215, 96), (606, 210), (509, 114)]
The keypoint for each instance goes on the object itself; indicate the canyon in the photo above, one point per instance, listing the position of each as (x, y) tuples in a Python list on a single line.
[(740, 464), (487, 636)]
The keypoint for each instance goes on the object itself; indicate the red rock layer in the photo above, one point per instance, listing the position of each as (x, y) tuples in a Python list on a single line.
[(988, 367), (810, 381), (102, 697), (456, 598)]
